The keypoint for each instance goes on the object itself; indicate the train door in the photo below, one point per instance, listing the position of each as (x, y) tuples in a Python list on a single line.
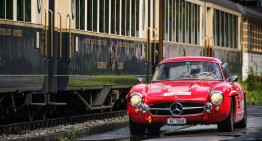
[(57, 47), (60, 48), (50, 48)]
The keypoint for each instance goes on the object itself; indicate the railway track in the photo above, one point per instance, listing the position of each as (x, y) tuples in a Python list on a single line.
[(16, 128)]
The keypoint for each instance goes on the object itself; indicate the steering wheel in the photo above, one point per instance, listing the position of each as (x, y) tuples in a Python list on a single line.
[(205, 75)]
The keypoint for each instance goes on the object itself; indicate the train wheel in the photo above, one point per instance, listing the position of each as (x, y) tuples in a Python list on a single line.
[(2, 112), (29, 114), (44, 112)]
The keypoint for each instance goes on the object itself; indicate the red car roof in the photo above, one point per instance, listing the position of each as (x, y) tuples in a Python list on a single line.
[(191, 58)]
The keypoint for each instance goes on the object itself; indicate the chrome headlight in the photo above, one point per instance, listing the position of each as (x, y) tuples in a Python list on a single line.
[(216, 97), (136, 99)]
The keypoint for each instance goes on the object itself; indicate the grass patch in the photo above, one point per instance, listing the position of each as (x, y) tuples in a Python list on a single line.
[(254, 96), (253, 87), (103, 80)]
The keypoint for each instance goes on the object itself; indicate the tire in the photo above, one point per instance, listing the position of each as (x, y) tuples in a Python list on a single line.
[(154, 129), (142, 129), (136, 129), (228, 124), (243, 122)]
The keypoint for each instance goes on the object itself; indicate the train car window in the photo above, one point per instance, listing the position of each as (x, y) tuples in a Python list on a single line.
[(128, 32), (182, 15), (229, 32), (24, 10), (20, 10), (137, 18), (226, 30), (6, 9), (113, 17), (170, 20), (9, 9), (177, 19), (117, 17), (101, 16), (95, 15), (123, 19), (196, 24), (143, 14), (106, 16), (225, 27), (236, 31), (186, 22), (165, 23), (90, 15), (189, 22), (174, 22), (80, 14), (133, 18), (2, 9), (27, 4), (182, 21)]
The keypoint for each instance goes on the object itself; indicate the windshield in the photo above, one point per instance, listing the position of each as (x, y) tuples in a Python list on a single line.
[(188, 70)]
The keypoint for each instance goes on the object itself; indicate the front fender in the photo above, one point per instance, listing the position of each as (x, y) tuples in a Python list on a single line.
[(232, 93)]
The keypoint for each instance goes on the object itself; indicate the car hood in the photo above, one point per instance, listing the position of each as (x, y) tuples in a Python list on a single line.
[(182, 88)]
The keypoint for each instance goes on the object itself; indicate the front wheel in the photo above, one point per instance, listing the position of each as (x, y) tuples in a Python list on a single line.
[(136, 128), (228, 124), (142, 129)]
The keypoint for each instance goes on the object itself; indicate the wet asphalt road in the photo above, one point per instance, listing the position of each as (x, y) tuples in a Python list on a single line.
[(253, 132)]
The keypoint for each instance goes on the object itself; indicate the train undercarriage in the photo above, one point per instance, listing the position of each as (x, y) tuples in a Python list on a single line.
[(30, 106)]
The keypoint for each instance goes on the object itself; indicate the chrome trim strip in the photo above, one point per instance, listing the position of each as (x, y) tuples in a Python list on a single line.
[(184, 108), (199, 114), (188, 108), (239, 113)]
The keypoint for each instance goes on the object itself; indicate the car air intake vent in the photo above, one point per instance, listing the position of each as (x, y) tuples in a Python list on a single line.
[(177, 108)]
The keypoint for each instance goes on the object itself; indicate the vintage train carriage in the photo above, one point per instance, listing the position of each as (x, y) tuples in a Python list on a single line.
[(54, 54), (86, 54), (202, 28), (251, 41)]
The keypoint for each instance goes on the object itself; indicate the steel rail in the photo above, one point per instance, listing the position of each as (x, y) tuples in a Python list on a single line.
[(15, 128)]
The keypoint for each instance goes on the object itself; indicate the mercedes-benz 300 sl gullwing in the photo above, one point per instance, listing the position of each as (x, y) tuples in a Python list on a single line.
[(187, 91)]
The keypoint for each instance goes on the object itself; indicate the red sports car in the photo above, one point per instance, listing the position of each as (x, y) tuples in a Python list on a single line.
[(187, 91)]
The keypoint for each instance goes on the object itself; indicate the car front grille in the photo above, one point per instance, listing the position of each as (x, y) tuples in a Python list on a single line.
[(177, 108)]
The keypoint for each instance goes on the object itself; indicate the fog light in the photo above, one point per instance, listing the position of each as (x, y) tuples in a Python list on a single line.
[(217, 109), (137, 111), (149, 119)]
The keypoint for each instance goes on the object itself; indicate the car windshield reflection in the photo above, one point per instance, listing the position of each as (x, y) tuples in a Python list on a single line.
[(195, 70)]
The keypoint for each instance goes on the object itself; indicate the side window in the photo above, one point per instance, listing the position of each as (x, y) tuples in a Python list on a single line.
[(6, 9), (226, 70), (24, 10)]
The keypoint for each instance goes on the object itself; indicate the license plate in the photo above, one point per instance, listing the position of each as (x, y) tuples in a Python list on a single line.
[(176, 121)]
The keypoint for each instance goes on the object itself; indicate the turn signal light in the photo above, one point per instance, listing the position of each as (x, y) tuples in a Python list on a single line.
[(136, 111), (149, 119), (217, 109)]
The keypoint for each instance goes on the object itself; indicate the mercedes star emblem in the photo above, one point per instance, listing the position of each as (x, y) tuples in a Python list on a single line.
[(176, 108)]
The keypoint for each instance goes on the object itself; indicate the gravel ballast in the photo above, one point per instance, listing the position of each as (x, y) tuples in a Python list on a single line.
[(67, 131)]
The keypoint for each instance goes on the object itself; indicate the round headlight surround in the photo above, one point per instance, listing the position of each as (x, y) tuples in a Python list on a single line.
[(216, 97), (136, 99)]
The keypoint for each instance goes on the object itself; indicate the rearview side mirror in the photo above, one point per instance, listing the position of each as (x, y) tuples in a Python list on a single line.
[(139, 80), (234, 78)]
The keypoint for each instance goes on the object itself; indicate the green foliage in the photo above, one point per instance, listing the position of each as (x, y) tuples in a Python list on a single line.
[(253, 86), (104, 80), (71, 137)]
